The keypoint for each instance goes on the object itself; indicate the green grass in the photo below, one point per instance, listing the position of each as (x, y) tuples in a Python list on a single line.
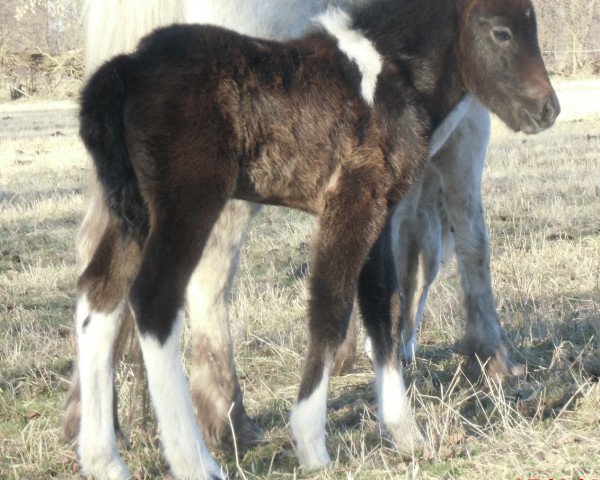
[(543, 208)]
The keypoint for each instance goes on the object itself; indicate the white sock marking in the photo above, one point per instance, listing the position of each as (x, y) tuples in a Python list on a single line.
[(394, 409), (392, 402), (184, 448), (96, 334), (308, 425), (357, 48)]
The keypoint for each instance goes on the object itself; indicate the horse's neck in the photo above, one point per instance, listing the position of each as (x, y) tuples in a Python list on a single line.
[(420, 37)]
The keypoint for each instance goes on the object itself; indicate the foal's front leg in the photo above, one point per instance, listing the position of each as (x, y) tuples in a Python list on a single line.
[(383, 307), (347, 229)]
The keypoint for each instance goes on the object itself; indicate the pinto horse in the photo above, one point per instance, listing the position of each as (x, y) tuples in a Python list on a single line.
[(442, 212), (337, 123)]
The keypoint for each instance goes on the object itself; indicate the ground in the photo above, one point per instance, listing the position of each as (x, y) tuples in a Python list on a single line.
[(543, 208)]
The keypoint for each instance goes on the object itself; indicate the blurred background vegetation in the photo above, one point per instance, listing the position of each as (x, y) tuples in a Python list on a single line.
[(41, 44)]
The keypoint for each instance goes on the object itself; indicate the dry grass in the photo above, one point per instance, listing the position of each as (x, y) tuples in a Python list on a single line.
[(543, 204)]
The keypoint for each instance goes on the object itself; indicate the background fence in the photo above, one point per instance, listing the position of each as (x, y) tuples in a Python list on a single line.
[(41, 43)]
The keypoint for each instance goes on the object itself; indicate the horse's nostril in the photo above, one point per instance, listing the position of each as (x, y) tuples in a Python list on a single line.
[(550, 110)]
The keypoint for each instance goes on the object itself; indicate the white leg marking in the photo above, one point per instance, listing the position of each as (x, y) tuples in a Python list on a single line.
[(308, 425), (357, 48), (96, 334), (184, 448), (369, 348), (394, 410)]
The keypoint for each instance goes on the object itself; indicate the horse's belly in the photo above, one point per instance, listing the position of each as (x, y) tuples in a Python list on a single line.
[(284, 178)]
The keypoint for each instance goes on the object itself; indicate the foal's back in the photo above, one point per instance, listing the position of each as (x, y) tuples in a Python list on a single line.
[(282, 115)]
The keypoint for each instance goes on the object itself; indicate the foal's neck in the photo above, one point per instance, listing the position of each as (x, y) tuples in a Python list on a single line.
[(420, 37)]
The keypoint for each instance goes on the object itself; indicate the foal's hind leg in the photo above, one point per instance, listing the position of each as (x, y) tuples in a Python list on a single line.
[(90, 233), (460, 164), (172, 250), (216, 393), (383, 308), (101, 301)]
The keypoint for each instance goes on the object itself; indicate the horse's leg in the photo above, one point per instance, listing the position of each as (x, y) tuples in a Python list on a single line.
[(383, 307), (460, 164), (101, 302), (216, 393), (90, 232), (346, 232), (406, 246), (172, 251), (346, 352), (423, 234)]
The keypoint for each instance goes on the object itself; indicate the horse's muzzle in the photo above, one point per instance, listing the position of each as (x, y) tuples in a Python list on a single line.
[(542, 114)]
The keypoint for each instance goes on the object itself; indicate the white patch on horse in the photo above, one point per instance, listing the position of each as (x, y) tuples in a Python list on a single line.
[(394, 409), (308, 425), (357, 48), (183, 446), (96, 334), (444, 130)]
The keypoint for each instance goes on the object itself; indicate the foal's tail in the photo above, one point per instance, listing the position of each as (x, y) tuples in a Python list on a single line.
[(102, 130)]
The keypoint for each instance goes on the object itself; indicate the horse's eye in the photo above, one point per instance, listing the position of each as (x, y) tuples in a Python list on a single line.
[(501, 34)]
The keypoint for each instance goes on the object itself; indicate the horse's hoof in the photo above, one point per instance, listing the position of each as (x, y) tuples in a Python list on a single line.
[(409, 441), (103, 466), (498, 366), (244, 435), (504, 367), (248, 434)]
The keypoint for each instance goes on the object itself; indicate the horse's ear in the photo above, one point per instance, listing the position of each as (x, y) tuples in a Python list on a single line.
[(466, 7)]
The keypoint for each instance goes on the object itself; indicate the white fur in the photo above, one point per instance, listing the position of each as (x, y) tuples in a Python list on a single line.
[(392, 402), (259, 18), (183, 446), (97, 442), (357, 47), (308, 425), (393, 408)]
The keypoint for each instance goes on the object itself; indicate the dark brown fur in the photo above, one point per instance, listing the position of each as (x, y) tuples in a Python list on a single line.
[(208, 114), (200, 115)]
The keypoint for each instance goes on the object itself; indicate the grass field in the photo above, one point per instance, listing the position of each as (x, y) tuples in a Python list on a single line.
[(543, 207)]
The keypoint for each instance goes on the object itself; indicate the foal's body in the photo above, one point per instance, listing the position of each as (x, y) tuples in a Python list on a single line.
[(419, 231), (199, 115)]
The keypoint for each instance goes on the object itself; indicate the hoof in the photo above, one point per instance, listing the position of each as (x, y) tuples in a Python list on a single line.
[(248, 434), (409, 441), (499, 365), (245, 435), (504, 367), (103, 466)]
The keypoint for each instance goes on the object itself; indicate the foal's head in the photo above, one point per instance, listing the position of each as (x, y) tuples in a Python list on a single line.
[(501, 63)]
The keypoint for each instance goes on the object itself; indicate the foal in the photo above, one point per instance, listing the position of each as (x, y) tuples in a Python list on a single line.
[(338, 124)]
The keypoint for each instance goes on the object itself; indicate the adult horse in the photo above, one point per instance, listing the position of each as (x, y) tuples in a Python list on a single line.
[(195, 117), (422, 222)]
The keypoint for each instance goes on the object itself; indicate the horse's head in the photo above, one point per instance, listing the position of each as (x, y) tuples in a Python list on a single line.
[(501, 63)]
